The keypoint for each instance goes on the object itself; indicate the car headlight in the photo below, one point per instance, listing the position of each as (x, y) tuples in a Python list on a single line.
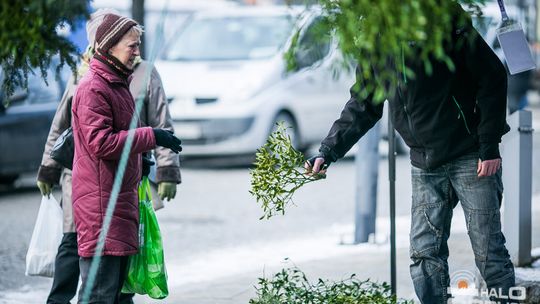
[(226, 127)]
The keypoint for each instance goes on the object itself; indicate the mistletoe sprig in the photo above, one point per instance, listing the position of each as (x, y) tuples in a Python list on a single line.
[(278, 173)]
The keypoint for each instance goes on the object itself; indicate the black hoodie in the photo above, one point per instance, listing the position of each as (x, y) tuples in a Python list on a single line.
[(441, 116)]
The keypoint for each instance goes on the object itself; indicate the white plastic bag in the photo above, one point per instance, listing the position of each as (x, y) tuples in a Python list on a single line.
[(45, 239)]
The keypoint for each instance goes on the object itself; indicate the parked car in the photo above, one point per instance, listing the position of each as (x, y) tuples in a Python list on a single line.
[(227, 82), (170, 14), (25, 124)]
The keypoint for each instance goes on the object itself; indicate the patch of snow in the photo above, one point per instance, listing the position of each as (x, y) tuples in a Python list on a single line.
[(535, 253), (528, 274), (328, 244), (25, 295)]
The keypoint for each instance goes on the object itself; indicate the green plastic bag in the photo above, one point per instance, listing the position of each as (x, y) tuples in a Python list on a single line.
[(146, 270)]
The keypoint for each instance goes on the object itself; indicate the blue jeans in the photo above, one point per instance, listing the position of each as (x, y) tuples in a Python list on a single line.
[(435, 194)]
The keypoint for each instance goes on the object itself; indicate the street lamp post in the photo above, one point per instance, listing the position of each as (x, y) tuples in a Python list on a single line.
[(392, 179)]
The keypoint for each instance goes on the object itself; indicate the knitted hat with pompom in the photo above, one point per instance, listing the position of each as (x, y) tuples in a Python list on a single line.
[(95, 21), (111, 30)]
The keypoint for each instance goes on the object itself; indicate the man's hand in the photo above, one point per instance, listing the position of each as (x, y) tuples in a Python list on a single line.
[(166, 190), (45, 189), (488, 167), (316, 165)]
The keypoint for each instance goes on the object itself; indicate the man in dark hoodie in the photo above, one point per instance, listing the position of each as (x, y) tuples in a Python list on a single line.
[(453, 121)]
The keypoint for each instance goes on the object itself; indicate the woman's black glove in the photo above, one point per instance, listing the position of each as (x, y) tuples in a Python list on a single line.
[(166, 138), (146, 164)]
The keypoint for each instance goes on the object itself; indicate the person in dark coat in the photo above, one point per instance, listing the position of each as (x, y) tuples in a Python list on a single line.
[(453, 121), (102, 111)]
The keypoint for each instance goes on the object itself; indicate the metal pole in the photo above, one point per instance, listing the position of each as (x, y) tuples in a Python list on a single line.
[(517, 180), (367, 172), (392, 178), (137, 12)]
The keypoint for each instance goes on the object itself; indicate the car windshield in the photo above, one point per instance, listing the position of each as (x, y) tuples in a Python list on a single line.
[(234, 38)]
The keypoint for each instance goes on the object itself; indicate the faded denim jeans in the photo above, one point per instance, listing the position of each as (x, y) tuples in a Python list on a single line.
[(435, 193)]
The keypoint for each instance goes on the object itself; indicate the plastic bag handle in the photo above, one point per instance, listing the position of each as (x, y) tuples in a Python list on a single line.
[(144, 189)]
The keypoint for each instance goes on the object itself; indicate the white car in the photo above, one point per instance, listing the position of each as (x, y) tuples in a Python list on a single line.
[(227, 82), (169, 14)]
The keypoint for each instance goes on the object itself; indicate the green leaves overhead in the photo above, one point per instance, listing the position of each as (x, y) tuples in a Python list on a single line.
[(378, 34), (29, 37), (278, 173)]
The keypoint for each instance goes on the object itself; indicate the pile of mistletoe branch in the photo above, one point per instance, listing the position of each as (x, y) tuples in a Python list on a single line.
[(291, 286)]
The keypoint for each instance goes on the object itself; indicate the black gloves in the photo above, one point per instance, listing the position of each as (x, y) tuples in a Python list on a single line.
[(146, 164), (166, 138), (326, 153), (312, 159)]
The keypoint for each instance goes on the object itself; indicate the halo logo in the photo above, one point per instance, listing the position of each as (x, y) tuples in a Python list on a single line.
[(466, 287), (463, 282)]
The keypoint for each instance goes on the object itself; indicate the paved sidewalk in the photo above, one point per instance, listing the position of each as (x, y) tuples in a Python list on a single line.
[(366, 261), (216, 248)]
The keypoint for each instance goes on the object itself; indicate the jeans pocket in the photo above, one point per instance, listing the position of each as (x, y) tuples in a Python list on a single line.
[(482, 194)]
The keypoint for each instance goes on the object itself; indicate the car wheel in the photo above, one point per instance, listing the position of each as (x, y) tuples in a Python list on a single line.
[(291, 126), (8, 180)]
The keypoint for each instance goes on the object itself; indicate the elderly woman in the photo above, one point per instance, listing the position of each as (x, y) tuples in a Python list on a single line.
[(154, 113), (102, 111)]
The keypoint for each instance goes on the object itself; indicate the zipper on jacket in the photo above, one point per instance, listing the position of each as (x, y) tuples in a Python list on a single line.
[(409, 120), (413, 134), (403, 65), (462, 114)]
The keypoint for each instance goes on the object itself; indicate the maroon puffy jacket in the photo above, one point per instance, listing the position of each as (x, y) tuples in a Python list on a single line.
[(102, 111)]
